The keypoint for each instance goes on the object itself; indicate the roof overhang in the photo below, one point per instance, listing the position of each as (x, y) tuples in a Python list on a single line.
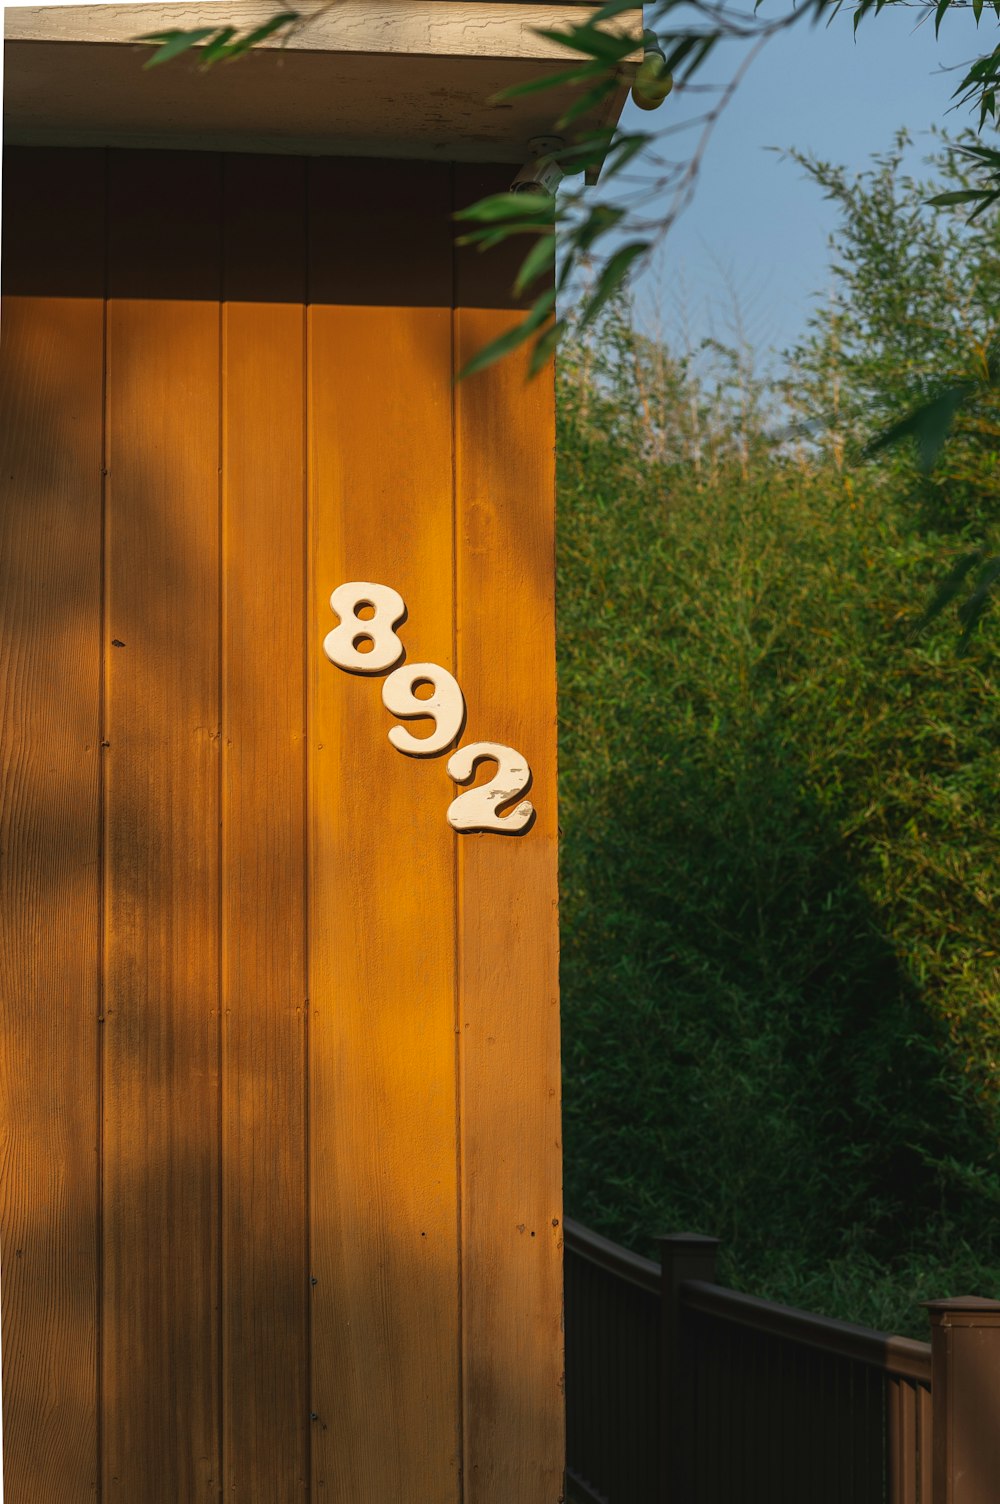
[(380, 78)]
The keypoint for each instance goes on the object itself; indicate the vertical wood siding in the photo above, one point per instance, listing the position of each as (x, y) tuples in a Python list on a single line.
[(382, 887), (265, 1332), (279, 1192), (50, 828), (507, 913), (160, 1087)]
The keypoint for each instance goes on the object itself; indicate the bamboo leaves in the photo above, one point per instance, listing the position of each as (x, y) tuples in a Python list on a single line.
[(585, 231), (216, 43)]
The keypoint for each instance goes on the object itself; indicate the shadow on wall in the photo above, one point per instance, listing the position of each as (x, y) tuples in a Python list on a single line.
[(187, 1282)]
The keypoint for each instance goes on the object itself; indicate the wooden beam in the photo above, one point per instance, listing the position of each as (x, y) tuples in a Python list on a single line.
[(428, 28)]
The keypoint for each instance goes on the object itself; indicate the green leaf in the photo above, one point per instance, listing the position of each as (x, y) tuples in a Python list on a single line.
[(601, 219), (947, 590), (993, 361), (987, 155), (970, 611), (545, 345), (624, 149), (487, 238), (928, 425), (957, 196), (604, 46), (613, 275), (942, 6), (988, 199), (262, 32), (583, 154), (680, 51), (174, 43), (535, 208), (587, 102), (603, 136), (539, 260), (612, 9), (217, 48), (705, 45), (977, 9), (506, 343), (580, 156), (569, 266), (284, 18)]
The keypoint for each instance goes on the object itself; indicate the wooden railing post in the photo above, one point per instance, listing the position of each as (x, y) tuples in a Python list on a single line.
[(965, 1398), (683, 1256)]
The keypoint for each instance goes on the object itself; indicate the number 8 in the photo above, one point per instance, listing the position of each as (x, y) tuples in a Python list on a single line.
[(388, 610)]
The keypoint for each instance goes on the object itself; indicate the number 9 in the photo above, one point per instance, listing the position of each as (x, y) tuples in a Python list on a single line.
[(387, 608), (446, 704)]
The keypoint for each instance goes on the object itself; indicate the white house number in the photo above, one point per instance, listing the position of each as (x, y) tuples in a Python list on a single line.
[(366, 642)]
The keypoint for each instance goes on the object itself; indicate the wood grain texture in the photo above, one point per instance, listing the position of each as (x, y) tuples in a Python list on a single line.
[(264, 1159), (507, 932), (382, 1042), (292, 102), (280, 1181), (456, 28), (50, 667), (161, 1058)]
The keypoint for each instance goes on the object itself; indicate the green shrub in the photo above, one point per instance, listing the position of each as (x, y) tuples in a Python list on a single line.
[(780, 847)]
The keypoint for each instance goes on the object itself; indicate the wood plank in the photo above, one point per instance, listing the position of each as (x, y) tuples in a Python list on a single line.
[(453, 28), (925, 1444), (161, 1084), (382, 894), (508, 968), (50, 691), (265, 1231), (901, 1405)]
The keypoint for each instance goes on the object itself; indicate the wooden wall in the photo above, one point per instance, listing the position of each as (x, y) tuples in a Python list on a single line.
[(279, 1186)]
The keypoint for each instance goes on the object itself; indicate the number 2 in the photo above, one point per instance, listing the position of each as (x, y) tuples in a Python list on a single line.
[(479, 809)]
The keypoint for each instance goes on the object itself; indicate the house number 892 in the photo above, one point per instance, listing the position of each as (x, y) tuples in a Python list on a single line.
[(366, 642)]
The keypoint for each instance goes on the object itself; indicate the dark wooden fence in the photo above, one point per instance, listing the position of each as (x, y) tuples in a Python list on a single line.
[(612, 1302), (679, 1391)]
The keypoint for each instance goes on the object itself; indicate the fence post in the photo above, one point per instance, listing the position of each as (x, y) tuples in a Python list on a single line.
[(965, 1400), (683, 1256)]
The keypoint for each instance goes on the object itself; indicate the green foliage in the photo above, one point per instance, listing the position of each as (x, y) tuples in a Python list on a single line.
[(680, 38), (913, 328), (987, 160), (216, 44), (781, 966)]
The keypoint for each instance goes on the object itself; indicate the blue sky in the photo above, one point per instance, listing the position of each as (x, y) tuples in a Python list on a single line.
[(758, 228)]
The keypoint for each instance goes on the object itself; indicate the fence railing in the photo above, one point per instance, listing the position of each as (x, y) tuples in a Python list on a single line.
[(679, 1391), (612, 1305)]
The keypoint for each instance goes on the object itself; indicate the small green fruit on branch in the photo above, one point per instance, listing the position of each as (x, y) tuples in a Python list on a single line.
[(653, 81)]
